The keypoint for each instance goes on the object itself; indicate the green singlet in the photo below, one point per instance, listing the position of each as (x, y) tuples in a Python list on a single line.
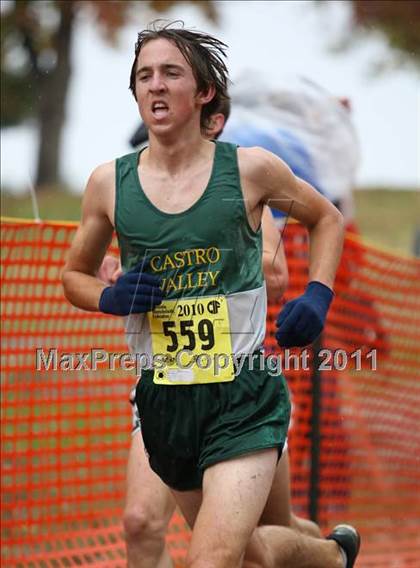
[(195, 408)]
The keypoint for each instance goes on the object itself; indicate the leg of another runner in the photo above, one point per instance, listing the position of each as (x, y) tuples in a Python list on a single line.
[(278, 508), (281, 547), (148, 509)]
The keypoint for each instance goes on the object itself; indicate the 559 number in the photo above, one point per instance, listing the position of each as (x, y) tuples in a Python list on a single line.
[(204, 333)]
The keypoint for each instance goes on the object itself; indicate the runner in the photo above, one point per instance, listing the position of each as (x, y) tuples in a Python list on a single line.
[(149, 503), (193, 291)]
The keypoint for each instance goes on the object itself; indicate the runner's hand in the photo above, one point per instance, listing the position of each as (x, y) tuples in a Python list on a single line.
[(133, 293), (302, 320)]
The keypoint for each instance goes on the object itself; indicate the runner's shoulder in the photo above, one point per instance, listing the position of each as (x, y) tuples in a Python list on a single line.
[(258, 164), (103, 176), (99, 195)]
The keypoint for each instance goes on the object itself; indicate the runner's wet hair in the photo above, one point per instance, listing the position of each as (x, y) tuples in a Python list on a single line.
[(204, 53)]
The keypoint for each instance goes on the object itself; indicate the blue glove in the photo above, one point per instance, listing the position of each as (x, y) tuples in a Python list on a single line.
[(302, 320), (133, 293)]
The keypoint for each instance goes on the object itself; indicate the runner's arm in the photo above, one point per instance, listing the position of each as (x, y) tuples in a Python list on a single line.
[(81, 286), (269, 180)]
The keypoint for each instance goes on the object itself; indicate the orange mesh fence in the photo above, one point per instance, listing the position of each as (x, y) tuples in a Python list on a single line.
[(66, 430)]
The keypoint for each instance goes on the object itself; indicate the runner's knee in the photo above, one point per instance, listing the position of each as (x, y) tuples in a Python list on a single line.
[(141, 524), (305, 526), (258, 553)]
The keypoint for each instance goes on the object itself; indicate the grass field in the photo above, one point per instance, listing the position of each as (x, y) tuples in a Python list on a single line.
[(386, 218)]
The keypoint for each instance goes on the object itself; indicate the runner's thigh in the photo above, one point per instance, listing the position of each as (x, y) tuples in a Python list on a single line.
[(234, 496)]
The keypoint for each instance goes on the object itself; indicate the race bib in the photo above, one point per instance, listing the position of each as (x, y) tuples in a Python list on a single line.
[(191, 341)]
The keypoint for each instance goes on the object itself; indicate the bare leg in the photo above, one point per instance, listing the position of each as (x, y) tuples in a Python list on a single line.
[(305, 526), (189, 502), (233, 497), (269, 546), (278, 508), (280, 547), (148, 509)]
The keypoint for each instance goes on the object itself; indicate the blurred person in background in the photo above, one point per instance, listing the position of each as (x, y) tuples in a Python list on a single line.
[(313, 132), (303, 124)]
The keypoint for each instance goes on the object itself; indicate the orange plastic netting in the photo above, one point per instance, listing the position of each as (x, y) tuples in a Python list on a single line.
[(65, 434)]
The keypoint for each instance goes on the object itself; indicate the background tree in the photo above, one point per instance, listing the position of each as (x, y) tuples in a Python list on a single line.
[(36, 38), (398, 21), (36, 43)]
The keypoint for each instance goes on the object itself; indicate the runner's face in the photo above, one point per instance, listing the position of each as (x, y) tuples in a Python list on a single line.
[(166, 89)]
